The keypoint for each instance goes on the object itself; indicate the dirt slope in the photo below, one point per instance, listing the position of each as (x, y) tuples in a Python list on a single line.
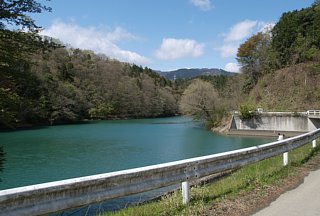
[(296, 88)]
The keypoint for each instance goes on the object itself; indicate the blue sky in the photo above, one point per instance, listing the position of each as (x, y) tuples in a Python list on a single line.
[(163, 34)]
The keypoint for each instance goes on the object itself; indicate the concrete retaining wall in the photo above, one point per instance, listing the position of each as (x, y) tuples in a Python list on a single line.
[(291, 122)]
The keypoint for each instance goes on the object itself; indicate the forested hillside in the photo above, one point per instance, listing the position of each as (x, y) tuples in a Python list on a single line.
[(41, 82), (66, 85), (295, 88), (187, 73), (79, 84), (282, 67)]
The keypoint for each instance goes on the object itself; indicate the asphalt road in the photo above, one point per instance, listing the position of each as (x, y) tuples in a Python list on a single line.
[(304, 200)]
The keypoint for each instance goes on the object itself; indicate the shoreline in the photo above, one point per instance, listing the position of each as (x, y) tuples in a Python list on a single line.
[(29, 126), (263, 133)]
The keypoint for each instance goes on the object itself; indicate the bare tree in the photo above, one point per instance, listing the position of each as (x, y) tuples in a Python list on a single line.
[(199, 100)]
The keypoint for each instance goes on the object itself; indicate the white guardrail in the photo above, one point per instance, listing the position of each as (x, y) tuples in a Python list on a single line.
[(313, 112), (60, 195)]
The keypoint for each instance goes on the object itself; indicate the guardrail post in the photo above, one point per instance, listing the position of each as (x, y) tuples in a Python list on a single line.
[(285, 159), (314, 143), (185, 192), (285, 155)]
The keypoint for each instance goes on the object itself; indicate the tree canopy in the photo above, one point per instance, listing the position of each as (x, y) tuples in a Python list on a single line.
[(255, 57), (67, 85), (294, 39), (18, 86), (16, 13), (296, 36), (201, 101)]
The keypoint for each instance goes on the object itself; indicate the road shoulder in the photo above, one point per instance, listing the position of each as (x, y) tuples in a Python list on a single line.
[(254, 201)]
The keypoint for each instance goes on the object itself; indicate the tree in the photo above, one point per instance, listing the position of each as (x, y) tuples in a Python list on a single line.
[(101, 111), (9, 105), (200, 100), (316, 2), (254, 56), (14, 45), (295, 38), (247, 111), (20, 104), (16, 12)]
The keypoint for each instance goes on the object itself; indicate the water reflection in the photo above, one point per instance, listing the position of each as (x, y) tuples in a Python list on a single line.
[(2, 160)]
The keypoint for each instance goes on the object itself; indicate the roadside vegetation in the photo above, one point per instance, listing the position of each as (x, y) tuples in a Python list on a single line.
[(212, 199)]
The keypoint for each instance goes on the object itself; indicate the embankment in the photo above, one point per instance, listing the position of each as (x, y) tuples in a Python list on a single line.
[(273, 123)]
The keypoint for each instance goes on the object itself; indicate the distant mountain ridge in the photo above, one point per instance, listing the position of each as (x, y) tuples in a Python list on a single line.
[(186, 73)]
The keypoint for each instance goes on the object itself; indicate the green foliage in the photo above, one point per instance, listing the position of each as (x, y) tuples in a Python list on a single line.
[(137, 71), (16, 47), (101, 111), (201, 101), (254, 57), (41, 82), (219, 82), (248, 85), (198, 100), (294, 39), (70, 85), (227, 88), (9, 105), (19, 104), (15, 12), (247, 111), (215, 118), (296, 36)]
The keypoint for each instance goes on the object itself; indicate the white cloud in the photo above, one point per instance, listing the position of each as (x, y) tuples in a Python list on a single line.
[(96, 39), (232, 67), (228, 50), (120, 34), (172, 49), (204, 5), (240, 31)]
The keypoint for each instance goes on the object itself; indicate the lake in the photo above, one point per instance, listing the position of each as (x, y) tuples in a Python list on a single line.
[(68, 151)]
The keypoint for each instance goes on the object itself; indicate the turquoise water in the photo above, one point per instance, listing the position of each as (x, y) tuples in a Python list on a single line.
[(61, 152)]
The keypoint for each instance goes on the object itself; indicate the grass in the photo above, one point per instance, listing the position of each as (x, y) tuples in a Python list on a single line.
[(262, 174)]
